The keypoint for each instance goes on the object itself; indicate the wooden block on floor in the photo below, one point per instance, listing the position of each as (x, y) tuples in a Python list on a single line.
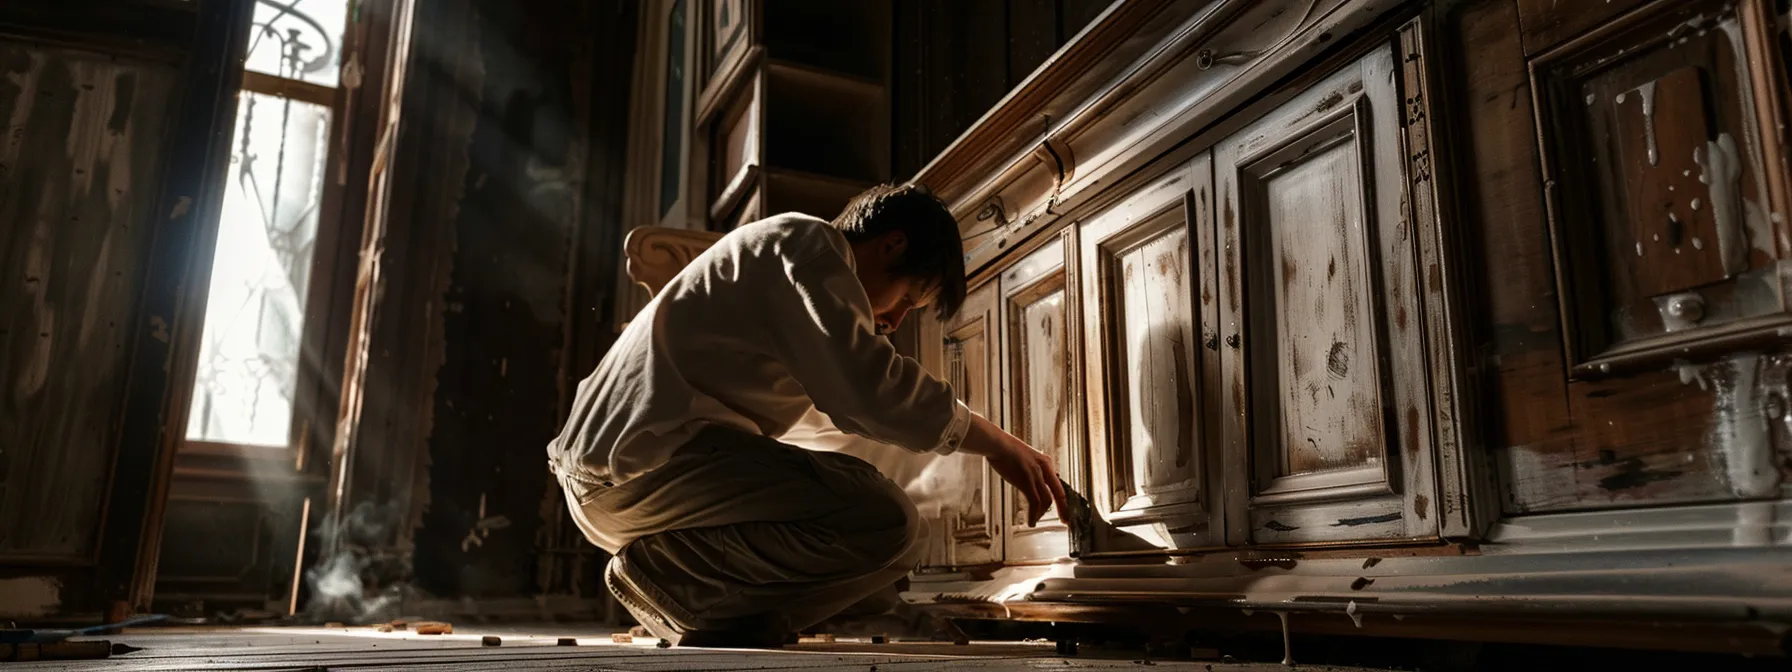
[(434, 628)]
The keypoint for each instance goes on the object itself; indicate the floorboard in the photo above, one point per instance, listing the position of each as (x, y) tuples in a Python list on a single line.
[(530, 649)]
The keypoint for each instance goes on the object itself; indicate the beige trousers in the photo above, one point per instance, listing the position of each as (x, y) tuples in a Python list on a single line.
[(737, 526)]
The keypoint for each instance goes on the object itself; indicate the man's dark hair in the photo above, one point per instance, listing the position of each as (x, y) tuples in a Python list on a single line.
[(934, 252)]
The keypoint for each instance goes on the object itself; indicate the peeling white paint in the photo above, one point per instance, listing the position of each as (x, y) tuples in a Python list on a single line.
[(1721, 170), (1646, 93), (181, 207), (1691, 373), (30, 596), (1350, 611), (1754, 524), (1739, 431), (1287, 643), (1760, 231), (1695, 22), (352, 72)]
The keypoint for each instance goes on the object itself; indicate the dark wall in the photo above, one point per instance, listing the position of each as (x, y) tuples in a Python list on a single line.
[(113, 113), (555, 81), (955, 59)]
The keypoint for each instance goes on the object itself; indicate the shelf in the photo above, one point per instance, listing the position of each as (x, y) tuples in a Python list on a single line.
[(826, 124), (850, 37), (826, 78)]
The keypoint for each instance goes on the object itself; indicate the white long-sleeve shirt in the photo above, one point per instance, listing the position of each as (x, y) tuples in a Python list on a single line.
[(760, 330)]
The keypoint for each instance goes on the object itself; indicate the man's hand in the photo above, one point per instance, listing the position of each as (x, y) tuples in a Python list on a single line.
[(1031, 472)]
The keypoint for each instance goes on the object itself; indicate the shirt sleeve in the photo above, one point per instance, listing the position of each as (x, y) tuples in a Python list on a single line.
[(825, 335)]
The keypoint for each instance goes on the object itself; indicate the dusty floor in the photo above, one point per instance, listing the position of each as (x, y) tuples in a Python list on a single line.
[(537, 649)]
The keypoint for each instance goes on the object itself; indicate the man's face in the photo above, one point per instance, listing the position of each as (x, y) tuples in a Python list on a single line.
[(892, 295)]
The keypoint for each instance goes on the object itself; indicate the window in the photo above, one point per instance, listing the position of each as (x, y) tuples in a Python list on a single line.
[(249, 356)]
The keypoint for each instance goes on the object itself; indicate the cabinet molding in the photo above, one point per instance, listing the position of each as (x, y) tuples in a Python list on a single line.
[(1116, 120)]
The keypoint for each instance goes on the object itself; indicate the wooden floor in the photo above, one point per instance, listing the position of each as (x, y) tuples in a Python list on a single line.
[(537, 649)]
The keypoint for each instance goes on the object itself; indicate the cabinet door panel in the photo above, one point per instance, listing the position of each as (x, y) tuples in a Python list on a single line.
[(1150, 426), (1040, 386), (1328, 437), (967, 530), (1662, 220), (1317, 300)]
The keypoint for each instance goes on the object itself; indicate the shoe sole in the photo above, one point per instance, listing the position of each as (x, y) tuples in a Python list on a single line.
[(631, 598)]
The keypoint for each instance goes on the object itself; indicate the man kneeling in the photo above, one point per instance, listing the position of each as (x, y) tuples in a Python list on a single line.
[(722, 534)]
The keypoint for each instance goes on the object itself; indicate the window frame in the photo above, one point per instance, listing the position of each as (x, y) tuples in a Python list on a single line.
[(330, 226)]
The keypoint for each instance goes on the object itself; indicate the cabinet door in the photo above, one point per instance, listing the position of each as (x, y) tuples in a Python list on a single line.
[(961, 494), (1040, 391), (1322, 341), (1150, 418), (1664, 207)]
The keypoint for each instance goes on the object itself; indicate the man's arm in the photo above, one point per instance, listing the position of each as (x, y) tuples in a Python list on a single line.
[(826, 339), (1033, 473), (828, 342)]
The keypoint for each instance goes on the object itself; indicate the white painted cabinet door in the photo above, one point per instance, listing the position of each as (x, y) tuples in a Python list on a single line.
[(1041, 397), (1328, 430), (1147, 287)]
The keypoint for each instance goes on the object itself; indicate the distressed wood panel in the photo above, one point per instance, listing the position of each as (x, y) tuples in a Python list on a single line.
[(1506, 241), (1666, 434), (84, 141), (1149, 427), (1319, 312), (1680, 242), (1330, 406), (1662, 220), (1157, 342), (1040, 387), (1039, 358)]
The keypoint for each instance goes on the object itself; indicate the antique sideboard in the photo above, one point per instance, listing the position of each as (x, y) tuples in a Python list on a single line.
[(1338, 313)]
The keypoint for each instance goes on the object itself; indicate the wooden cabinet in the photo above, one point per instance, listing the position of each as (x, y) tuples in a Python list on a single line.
[(1253, 344), (1040, 391), (1149, 403)]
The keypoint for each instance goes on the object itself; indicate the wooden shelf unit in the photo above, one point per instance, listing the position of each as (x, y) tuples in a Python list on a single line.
[(793, 111)]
